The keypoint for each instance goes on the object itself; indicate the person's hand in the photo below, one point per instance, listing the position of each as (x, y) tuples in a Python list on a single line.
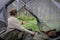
[(33, 33), (23, 22)]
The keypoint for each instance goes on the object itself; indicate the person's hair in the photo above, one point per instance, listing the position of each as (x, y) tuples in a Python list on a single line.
[(50, 30), (13, 12)]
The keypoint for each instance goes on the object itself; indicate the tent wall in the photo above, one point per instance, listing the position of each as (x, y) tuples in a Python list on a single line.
[(45, 10)]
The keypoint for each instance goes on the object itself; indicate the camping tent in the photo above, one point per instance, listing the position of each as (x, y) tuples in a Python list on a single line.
[(47, 12)]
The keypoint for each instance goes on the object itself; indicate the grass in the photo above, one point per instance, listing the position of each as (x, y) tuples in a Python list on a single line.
[(31, 22)]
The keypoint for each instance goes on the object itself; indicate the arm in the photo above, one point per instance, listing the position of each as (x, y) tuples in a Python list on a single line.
[(17, 25)]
